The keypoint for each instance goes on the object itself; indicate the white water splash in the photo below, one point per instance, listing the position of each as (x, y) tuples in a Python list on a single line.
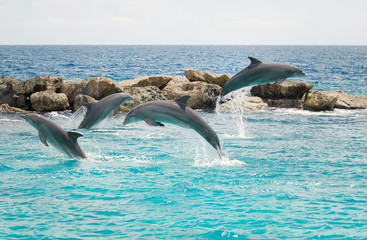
[(206, 156), (76, 118), (217, 105)]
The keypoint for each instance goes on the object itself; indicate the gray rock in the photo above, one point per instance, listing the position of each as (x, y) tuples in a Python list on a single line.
[(70, 89), (285, 90), (49, 101), (6, 91), (200, 75), (159, 81), (36, 84), (95, 87), (348, 101), (320, 101), (203, 95), (244, 103), (98, 87), (285, 103), (24, 89), (141, 95), (82, 99)]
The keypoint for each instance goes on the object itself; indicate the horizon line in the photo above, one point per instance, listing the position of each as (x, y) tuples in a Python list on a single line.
[(89, 44)]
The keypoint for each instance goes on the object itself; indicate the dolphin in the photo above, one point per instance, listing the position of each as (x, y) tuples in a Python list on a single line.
[(260, 73), (175, 112), (98, 111), (50, 132)]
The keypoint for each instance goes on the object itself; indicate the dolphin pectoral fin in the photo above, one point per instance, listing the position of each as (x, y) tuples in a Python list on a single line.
[(74, 135), (153, 123), (116, 110), (182, 101), (279, 81), (43, 139)]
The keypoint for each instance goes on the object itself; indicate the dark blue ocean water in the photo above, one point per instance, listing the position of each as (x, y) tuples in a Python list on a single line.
[(328, 67), (288, 174)]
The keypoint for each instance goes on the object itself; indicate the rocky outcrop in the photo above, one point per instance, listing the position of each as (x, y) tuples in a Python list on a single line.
[(49, 101), (6, 90), (70, 89), (37, 84), (285, 90), (320, 101), (95, 87), (246, 102), (5, 108), (24, 89), (142, 95), (159, 81), (98, 87), (203, 95), (286, 103), (81, 100), (200, 75), (48, 93), (348, 101)]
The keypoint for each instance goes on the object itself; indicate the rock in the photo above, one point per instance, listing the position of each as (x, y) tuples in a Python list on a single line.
[(49, 101), (70, 89), (285, 90), (95, 87), (200, 75), (142, 95), (285, 103), (82, 99), (320, 101), (36, 84), (22, 101), (98, 87), (10, 80), (6, 91), (24, 89), (348, 101), (159, 81), (248, 103), (203, 95), (5, 108)]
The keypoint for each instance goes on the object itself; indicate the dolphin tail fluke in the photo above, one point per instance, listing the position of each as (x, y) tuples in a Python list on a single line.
[(220, 153)]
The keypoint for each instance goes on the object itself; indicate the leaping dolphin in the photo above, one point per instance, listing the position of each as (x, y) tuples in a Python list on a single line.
[(98, 111), (50, 132), (260, 73), (175, 112)]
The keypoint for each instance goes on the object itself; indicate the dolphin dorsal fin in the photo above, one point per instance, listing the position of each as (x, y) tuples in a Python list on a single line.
[(89, 106), (43, 139), (182, 101), (254, 60), (74, 135)]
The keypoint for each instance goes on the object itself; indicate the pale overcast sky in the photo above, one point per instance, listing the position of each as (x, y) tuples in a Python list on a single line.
[(243, 22)]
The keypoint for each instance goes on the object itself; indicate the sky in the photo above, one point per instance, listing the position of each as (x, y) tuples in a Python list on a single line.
[(187, 22)]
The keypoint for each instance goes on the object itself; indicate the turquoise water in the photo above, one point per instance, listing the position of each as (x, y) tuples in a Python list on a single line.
[(288, 174)]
